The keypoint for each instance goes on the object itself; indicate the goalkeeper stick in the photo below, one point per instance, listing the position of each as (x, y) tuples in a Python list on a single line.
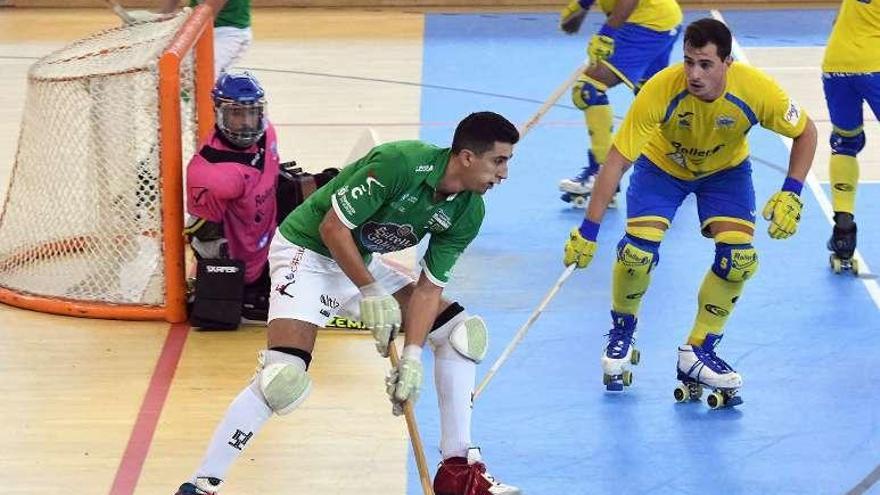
[(521, 333), (554, 97), (413, 427), (119, 11)]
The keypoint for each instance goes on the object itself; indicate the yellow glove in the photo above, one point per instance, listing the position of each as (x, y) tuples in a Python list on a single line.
[(783, 211), (601, 47), (571, 17), (578, 250)]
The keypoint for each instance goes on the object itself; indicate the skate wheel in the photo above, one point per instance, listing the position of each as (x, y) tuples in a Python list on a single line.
[(854, 267), (836, 265), (635, 356), (579, 201), (681, 393), (627, 378), (606, 379), (715, 400)]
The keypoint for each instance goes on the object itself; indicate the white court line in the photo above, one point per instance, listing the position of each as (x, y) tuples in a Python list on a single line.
[(870, 283)]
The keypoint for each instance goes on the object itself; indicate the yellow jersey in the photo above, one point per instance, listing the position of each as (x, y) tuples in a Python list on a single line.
[(659, 15), (854, 44), (690, 138)]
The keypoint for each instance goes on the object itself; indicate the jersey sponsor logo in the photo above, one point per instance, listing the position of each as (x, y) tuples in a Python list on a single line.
[(387, 237), (793, 115), (344, 202), (716, 310), (371, 179), (439, 221), (425, 168), (683, 154), (725, 122), (342, 322)]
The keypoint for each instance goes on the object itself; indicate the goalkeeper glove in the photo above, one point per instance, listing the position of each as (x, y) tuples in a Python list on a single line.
[(381, 314), (601, 44), (581, 245)]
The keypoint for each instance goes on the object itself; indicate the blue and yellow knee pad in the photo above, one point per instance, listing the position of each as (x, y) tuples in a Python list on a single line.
[(588, 92), (848, 143), (637, 254), (736, 259)]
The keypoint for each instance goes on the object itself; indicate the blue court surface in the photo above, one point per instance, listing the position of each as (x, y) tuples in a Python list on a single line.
[(805, 340)]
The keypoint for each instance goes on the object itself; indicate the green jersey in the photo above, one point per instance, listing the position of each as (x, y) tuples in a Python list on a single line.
[(387, 199), (236, 13)]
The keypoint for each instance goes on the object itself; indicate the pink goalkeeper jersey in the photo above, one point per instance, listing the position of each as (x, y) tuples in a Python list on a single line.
[(226, 185)]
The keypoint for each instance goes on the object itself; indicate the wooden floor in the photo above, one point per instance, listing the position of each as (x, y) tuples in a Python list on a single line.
[(74, 389)]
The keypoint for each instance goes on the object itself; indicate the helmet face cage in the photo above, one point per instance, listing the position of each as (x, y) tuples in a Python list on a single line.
[(241, 124), (239, 107)]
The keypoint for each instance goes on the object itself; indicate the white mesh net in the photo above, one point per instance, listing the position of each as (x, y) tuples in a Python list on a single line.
[(82, 218)]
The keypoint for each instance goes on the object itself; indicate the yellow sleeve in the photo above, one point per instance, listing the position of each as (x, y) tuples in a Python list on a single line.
[(779, 112), (643, 118)]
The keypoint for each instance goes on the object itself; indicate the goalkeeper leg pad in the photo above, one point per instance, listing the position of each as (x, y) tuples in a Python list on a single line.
[(456, 331), (282, 379), (218, 294)]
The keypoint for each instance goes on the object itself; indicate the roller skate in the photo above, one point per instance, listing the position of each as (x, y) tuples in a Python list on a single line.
[(843, 244), (620, 352), (577, 189), (202, 486), (468, 476), (698, 366)]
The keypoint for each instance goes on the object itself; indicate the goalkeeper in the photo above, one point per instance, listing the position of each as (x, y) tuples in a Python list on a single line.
[(686, 132), (236, 193), (321, 260), (632, 45)]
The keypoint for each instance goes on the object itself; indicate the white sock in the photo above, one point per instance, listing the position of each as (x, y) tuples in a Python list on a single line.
[(454, 378), (244, 418)]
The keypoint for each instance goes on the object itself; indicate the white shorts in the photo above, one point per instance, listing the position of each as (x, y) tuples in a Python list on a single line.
[(230, 43), (310, 287)]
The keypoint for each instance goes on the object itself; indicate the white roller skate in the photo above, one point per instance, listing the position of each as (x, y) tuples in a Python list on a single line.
[(577, 189), (699, 366), (620, 352)]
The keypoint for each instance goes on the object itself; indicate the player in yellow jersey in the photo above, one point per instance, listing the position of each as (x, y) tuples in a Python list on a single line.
[(851, 74), (632, 45), (686, 133)]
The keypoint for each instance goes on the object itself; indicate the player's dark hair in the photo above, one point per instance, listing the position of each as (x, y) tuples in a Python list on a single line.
[(704, 31), (479, 131)]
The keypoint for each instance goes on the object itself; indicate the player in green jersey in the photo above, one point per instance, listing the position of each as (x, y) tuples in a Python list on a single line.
[(321, 263)]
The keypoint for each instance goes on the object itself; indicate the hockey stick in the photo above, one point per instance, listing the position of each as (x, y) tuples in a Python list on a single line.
[(119, 11), (414, 436), (521, 333), (552, 99)]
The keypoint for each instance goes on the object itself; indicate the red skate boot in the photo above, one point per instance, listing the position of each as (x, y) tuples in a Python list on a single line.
[(468, 476)]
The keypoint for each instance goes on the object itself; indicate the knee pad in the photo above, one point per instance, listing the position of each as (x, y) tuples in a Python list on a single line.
[(847, 143), (735, 262), (588, 92), (282, 380), (638, 255), (457, 332)]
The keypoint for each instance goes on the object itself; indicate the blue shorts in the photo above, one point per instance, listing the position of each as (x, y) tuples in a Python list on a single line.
[(639, 52), (844, 94), (723, 196)]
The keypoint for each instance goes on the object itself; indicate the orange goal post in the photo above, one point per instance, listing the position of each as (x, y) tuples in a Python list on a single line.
[(92, 222)]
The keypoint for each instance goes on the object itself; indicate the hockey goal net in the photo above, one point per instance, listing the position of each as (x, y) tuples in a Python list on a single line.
[(92, 221)]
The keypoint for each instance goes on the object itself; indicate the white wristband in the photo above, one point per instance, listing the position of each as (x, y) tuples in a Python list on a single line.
[(373, 290), (412, 352)]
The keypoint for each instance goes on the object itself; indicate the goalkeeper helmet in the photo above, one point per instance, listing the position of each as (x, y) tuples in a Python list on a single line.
[(239, 108)]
